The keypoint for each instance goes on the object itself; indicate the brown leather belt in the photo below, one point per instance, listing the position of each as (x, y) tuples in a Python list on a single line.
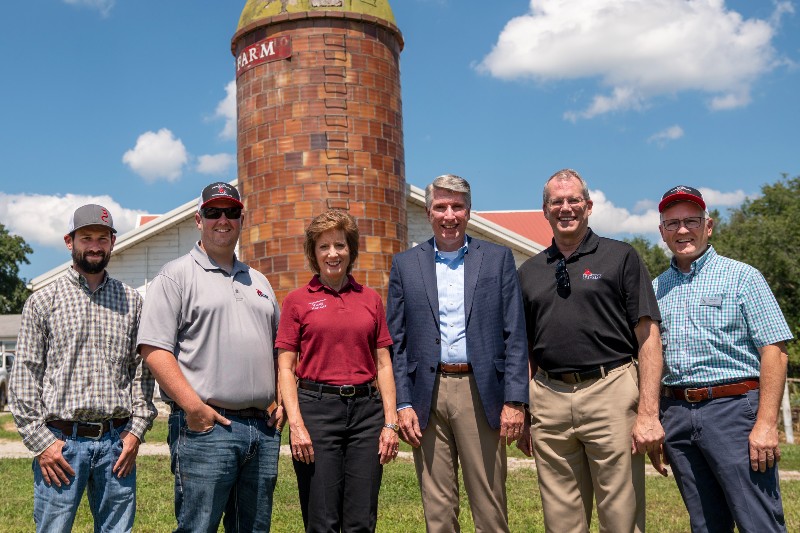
[(91, 430), (696, 394), (454, 368)]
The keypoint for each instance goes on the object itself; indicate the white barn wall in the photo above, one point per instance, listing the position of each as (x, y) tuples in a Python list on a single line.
[(138, 266)]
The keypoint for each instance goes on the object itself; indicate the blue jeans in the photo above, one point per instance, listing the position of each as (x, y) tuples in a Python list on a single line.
[(227, 469), (708, 448), (112, 500)]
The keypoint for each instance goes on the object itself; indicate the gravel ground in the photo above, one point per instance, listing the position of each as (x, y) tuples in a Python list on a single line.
[(15, 450)]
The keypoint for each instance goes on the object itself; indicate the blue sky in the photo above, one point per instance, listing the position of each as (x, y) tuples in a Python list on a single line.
[(128, 103)]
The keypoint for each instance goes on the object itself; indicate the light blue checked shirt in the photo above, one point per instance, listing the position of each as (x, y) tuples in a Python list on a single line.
[(714, 320), (452, 319)]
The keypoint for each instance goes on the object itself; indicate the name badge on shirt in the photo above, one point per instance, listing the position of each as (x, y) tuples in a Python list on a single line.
[(712, 301)]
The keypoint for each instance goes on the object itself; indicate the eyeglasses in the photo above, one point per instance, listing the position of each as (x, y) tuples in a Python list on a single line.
[(231, 213), (572, 201), (562, 275), (673, 224)]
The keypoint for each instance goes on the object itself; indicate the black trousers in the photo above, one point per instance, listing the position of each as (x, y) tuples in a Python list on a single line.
[(339, 490)]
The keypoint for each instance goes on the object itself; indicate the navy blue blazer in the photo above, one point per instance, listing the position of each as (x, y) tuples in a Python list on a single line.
[(496, 337)]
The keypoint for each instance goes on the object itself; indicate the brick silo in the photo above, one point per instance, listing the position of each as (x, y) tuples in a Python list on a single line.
[(319, 126)]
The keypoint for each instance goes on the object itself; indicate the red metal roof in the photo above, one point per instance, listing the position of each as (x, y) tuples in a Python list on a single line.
[(530, 224), (141, 220)]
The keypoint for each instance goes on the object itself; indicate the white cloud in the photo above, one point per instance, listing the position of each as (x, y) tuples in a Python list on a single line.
[(639, 49), (226, 109), (44, 219), (215, 164), (608, 219), (103, 6), (664, 136), (157, 155), (643, 205), (716, 199)]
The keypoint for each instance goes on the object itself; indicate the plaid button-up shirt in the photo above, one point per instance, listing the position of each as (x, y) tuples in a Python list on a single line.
[(714, 320), (76, 360)]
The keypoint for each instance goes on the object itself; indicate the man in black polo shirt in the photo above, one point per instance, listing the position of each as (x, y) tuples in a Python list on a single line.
[(595, 352)]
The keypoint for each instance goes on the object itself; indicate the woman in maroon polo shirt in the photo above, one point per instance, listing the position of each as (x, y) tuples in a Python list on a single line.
[(333, 347)]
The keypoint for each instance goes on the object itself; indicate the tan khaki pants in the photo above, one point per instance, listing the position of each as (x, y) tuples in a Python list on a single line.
[(457, 431), (582, 443)]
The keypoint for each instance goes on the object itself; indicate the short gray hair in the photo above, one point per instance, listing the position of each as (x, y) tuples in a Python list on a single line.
[(449, 182), (565, 174)]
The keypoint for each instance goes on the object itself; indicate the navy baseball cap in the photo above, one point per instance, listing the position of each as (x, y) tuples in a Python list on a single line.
[(681, 193), (219, 191)]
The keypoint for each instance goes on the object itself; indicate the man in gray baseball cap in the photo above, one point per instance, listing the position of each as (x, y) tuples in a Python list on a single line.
[(80, 395), (91, 215)]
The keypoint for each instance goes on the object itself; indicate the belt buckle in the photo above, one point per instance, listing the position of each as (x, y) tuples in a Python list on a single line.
[(351, 390), (686, 395), (99, 426)]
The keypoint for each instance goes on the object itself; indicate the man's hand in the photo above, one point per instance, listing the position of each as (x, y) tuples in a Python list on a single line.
[(204, 418), (127, 459), (647, 436), (525, 442), (764, 450), (512, 418), (409, 426), (277, 419), (55, 469)]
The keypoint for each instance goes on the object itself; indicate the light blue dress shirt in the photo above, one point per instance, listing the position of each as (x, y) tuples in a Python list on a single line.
[(452, 319)]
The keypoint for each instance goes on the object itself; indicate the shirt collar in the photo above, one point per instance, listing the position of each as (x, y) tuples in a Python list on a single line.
[(78, 279), (201, 258), (697, 264), (461, 251), (315, 285), (588, 245)]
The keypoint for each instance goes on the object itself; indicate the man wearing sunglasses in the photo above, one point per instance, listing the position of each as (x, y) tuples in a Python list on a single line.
[(591, 318), (207, 333), (725, 366)]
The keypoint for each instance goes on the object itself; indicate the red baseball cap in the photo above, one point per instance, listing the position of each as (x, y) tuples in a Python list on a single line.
[(681, 193)]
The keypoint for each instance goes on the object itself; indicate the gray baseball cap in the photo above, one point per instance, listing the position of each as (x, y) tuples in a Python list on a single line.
[(91, 215)]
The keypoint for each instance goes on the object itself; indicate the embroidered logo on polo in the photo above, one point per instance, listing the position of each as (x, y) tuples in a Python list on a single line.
[(587, 274), (317, 305), (262, 294)]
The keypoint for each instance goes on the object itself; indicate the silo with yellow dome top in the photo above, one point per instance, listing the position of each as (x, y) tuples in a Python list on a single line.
[(319, 126)]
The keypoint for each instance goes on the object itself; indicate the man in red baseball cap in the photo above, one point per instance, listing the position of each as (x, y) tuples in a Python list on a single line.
[(724, 371)]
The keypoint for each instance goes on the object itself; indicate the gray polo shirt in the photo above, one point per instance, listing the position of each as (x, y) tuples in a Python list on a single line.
[(221, 327)]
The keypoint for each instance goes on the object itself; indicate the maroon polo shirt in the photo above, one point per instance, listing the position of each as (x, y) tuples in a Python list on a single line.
[(335, 333)]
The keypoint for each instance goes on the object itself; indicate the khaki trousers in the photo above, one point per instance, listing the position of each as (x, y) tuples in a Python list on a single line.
[(458, 431), (582, 444)]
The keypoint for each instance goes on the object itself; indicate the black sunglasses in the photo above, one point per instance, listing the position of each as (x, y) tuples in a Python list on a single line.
[(231, 213), (562, 275)]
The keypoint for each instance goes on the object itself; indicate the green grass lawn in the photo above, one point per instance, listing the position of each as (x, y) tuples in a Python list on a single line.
[(400, 507)]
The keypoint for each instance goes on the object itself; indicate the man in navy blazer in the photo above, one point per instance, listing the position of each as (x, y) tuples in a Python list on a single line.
[(460, 361)]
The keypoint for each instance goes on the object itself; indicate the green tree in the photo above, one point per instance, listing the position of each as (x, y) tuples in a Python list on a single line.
[(764, 232), (654, 257), (13, 292)]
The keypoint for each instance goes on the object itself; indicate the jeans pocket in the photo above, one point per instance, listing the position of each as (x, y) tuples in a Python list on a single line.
[(751, 400), (194, 433)]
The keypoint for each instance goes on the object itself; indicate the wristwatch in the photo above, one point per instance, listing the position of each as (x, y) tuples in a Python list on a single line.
[(517, 404), (393, 427)]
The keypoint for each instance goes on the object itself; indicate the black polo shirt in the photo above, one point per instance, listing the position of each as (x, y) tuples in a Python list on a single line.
[(593, 322)]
